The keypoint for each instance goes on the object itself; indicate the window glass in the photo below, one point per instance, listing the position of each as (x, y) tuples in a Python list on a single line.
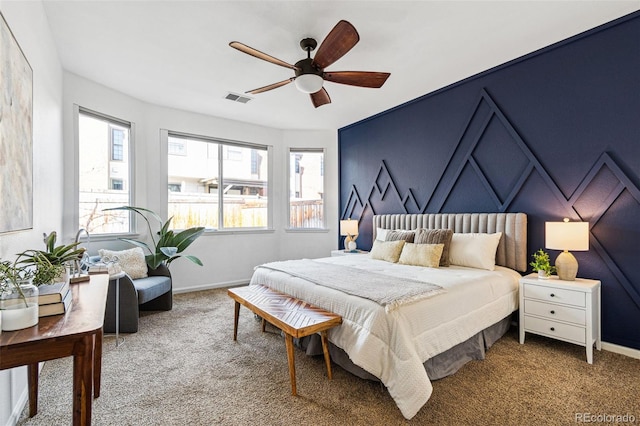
[(306, 188), (104, 173), (211, 171)]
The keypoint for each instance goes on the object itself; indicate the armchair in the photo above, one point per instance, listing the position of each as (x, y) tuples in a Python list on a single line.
[(153, 293)]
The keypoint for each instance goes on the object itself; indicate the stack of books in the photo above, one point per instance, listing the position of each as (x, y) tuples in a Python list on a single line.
[(54, 299)]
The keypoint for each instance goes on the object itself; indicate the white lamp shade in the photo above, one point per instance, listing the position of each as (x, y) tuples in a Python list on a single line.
[(309, 83), (567, 235), (349, 227)]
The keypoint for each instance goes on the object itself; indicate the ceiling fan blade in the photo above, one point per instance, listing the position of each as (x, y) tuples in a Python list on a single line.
[(270, 86), (338, 42), (358, 78), (320, 98), (260, 55)]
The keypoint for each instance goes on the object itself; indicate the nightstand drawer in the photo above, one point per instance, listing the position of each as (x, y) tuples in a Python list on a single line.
[(555, 312), (556, 295), (556, 329)]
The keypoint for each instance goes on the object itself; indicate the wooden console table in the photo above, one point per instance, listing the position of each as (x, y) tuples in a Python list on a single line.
[(78, 333)]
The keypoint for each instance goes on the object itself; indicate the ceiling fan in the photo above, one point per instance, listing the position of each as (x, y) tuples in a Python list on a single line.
[(310, 74)]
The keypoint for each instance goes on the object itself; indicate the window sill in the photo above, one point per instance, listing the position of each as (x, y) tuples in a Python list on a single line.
[(307, 230), (239, 231)]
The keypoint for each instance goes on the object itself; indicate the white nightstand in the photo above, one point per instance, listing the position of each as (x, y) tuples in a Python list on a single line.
[(563, 310), (335, 253)]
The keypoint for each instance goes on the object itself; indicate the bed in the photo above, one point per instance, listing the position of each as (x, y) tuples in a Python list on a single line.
[(429, 335)]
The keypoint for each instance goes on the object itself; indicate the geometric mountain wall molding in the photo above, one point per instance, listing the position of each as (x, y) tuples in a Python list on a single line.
[(553, 134), (464, 159)]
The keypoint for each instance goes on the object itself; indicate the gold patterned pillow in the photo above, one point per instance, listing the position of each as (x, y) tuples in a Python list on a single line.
[(436, 236), (387, 250), (421, 254)]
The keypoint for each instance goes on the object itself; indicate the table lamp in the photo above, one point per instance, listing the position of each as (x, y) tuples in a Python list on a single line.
[(567, 236), (349, 229)]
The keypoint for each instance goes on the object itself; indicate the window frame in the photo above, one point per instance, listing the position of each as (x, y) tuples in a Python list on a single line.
[(291, 150), (221, 142), (133, 224)]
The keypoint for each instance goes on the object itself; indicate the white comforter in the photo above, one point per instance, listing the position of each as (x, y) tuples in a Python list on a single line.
[(393, 346)]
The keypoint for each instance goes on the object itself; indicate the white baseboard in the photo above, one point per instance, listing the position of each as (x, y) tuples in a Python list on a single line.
[(225, 284), (623, 350), (18, 407)]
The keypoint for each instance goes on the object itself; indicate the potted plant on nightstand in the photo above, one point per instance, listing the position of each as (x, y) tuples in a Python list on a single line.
[(542, 264)]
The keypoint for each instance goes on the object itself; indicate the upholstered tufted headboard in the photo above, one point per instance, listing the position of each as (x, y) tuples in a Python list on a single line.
[(512, 250)]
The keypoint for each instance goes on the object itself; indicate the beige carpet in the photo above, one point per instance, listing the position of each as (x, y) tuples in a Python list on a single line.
[(183, 368)]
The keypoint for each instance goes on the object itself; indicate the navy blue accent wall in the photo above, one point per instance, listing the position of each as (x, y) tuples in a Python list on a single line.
[(553, 134)]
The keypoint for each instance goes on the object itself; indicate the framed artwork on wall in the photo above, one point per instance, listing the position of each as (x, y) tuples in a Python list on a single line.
[(16, 134)]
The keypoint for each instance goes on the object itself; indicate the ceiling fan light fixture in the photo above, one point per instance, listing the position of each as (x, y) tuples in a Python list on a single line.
[(309, 83)]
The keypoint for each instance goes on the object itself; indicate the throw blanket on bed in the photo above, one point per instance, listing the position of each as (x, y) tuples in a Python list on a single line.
[(387, 291)]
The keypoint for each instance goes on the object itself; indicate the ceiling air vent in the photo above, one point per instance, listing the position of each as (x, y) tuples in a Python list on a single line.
[(237, 98)]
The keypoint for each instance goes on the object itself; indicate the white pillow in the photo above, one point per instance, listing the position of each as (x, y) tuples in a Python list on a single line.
[(386, 250), (131, 261), (421, 254), (474, 250), (381, 234)]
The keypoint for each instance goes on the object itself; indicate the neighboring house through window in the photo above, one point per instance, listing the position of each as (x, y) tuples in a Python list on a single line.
[(306, 188), (223, 184), (104, 173)]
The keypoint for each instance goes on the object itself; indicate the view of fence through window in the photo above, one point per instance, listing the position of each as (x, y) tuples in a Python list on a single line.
[(104, 173), (196, 184), (306, 188)]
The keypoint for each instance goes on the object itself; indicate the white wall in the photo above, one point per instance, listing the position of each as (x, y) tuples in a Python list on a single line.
[(30, 28), (228, 257)]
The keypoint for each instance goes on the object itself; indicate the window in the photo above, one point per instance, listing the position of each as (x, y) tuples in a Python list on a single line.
[(117, 144), (177, 148), (223, 185), (104, 175), (117, 184), (306, 188)]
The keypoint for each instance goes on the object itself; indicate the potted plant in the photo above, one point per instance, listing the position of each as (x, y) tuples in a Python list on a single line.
[(18, 296), (542, 265), (167, 245), (51, 264)]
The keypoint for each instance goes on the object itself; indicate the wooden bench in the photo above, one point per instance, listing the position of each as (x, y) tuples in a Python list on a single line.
[(296, 318)]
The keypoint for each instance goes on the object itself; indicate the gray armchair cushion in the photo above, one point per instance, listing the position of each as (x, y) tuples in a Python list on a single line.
[(151, 287)]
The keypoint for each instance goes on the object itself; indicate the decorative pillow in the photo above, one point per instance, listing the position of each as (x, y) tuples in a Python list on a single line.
[(131, 261), (436, 236), (421, 254), (387, 250), (474, 250), (398, 234), (381, 234)]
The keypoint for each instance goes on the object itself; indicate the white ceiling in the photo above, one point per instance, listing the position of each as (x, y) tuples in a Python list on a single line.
[(176, 53)]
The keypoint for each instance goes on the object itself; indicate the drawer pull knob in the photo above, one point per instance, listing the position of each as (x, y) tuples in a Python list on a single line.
[(553, 329), (553, 312), (553, 295)]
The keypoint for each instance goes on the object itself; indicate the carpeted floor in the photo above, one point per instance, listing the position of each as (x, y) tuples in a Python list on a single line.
[(183, 368)]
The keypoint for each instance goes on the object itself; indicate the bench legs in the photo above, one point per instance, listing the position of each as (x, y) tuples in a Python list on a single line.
[(236, 314), (292, 362), (325, 350), (290, 348)]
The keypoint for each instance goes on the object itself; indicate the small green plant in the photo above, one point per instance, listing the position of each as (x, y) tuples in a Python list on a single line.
[(167, 244), (541, 262), (12, 274), (50, 264)]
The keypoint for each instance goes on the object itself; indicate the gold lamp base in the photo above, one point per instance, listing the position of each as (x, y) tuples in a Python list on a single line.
[(567, 266)]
